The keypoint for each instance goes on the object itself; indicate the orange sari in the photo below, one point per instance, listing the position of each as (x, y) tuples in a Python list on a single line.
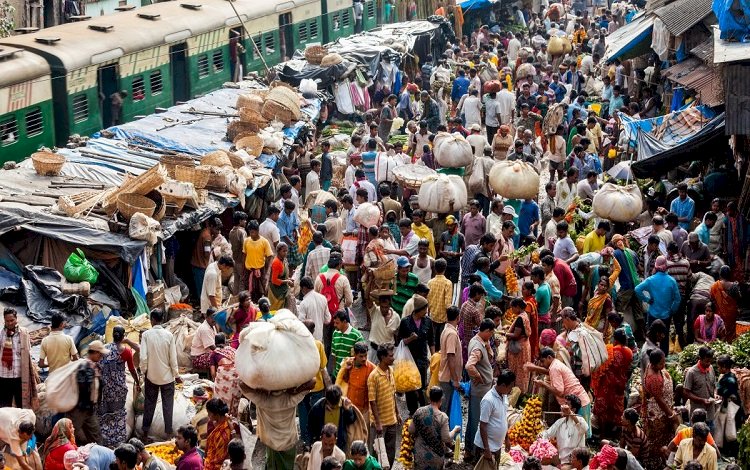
[(532, 309), (726, 308)]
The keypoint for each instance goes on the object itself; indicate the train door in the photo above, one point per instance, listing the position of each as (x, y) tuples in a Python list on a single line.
[(236, 52), (108, 85), (286, 39), (180, 85)]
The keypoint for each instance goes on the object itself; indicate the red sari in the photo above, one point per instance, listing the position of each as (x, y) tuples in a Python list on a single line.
[(726, 308), (609, 383), (217, 444), (532, 309)]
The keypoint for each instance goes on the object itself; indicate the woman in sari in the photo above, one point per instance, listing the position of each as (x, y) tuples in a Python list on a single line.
[(708, 327), (224, 374), (724, 294), (599, 307), (519, 349), (278, 288), (429, 426), (736, 240), (57, 444), (609, 385), (219, 434), (240, 317), (532, 309), (659, 418), (111, 410)]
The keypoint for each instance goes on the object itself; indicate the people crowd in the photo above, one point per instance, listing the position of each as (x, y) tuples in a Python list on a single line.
[(598, 308)]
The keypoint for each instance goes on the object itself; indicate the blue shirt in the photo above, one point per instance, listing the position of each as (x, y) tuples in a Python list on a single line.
[(368, 162), (529, 214), (584, 166), (615, 103), (287, 224), (663, 295), (704, 233), (684, 210), (626, 277), (559, 90), (100, 457), (573, 106), (492, 292), (460, 87)]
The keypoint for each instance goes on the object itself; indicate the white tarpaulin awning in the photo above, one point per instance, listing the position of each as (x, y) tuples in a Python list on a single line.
[(630, 40)]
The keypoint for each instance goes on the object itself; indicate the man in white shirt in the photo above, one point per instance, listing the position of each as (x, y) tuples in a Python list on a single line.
[(569, 432), (472, 109), (493, 418), (385, 324), (317, 257), (565, 248), (312, 180), (158, 362), (477, 141), (514, 45), (211, 292), (588, 187), (550, 230), (314, 306), (660, 230), (475, 81), (362, 182), (567, 188), (506, 101), (269, 230), (355, 161)]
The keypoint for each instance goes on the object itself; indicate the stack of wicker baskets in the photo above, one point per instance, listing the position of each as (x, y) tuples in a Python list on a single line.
[(237, 128), (198, 175), (282, 104), (218, 158), (170, 162), (128, 204), (249, 100), (314, 54), (331, 59), (47, 163), (252, 144)]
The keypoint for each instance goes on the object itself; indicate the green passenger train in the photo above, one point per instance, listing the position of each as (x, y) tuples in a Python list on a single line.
[(57, 81)]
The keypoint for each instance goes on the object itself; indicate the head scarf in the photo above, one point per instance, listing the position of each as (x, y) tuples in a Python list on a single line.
[(548, 337), (618, 240), (504, 129), (661, 264), (607, 251), (62, 434), (605, 458)]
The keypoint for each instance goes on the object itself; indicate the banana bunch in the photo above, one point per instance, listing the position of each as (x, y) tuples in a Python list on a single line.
[(406, 453), (526, 431), (511, 280)]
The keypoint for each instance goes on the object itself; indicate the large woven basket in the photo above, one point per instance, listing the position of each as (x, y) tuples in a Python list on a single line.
[(177, 202), (315, 54), (198, 175), (331, 59), (216, 158), (248, 100), (171, 161), (252, 144), (128, 204), (47, 163), (218, 180), (161, 206), (386, 272), (253, 116), (237, 161), (236, 128)]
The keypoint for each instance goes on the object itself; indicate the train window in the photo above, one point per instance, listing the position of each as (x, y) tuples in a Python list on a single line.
[(139, 89), (8, 131), (336, 22), (269, 44), (80, 108), (218, 61), (203, 66), (313, 29), (34, 125), (258, 45), (156, 84), (371, 9), (346, 18), (303, 32)]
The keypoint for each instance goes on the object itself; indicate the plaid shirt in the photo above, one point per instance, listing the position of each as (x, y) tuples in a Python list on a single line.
[(679, 268), (440, 297), (316, 259)]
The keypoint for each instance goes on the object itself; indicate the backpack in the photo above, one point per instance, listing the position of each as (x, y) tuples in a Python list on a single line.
[(329, 292)]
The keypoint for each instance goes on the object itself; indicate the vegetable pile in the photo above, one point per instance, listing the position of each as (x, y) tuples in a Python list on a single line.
[(742, 350), (527, 430), (166, 451)]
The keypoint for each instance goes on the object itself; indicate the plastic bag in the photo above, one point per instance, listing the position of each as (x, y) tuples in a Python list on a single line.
[(454, 414), (78, 269), (485, 464), (349, 249), (62, 387), (405, 370)]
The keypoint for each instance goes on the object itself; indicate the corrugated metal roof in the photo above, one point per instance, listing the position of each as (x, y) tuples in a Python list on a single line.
[(737, 98), (705, 50), (680, 69), (682, 15), (652, 5), (729, 51), (693, 73)]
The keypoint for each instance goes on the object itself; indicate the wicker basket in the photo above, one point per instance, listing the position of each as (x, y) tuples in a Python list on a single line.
[(141, 184), (237, 161), (198, 175), (315, 54), (331, 59), (249, 100), (218, 180), (47, 163), (171, 161), (161, 206), (128, 204), (177, 202), (253, 116), (386, 272), (216, 158), (236, 128), (252, 145), (273, 110)]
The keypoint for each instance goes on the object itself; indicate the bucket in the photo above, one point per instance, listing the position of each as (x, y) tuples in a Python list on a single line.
[(742, 327)]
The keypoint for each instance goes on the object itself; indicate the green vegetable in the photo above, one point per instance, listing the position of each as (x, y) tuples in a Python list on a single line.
[(689, 355), (743, 439), (742, 351), (676, 373)]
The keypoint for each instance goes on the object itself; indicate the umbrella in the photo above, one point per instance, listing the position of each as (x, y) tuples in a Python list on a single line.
[(621, 171)]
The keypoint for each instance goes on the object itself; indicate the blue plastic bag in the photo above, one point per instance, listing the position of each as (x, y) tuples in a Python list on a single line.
[(466, 387), (454, 414)]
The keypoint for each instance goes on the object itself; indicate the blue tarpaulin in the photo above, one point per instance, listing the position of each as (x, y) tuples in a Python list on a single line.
[(470, 5), (670, 129), (734, 19), (630, 40)]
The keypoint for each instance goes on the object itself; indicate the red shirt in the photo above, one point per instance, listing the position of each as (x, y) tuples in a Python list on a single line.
[(562, 271)]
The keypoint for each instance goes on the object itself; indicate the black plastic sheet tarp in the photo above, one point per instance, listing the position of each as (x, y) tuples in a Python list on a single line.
[(10, 284), (66, 229), (294, 71), (215, 205), (655, 158), (43, 296)]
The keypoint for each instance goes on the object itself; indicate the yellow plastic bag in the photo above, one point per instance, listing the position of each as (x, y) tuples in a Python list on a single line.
[(405, 371)]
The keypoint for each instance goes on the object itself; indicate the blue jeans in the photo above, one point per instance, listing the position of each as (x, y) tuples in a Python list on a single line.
[(303, 410), (198, 275), (472, 424)]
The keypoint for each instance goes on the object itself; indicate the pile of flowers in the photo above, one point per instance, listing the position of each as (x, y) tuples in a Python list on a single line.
[(166, 451), (543, 449), (406, 453), (528, 428)]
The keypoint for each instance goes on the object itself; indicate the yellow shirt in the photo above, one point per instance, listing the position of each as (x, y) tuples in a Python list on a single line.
[(319, 386), (256, 252), (381, 391), (57, 348), (593, 242), (707, 458), (439, 298)]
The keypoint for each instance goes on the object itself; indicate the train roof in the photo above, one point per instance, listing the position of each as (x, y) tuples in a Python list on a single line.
[(105, 38), (18, 65)]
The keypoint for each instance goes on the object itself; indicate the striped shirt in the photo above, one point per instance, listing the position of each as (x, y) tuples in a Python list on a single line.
[(381, 391), (404, 291), (342, 344), (679, 268), (440, 297)]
